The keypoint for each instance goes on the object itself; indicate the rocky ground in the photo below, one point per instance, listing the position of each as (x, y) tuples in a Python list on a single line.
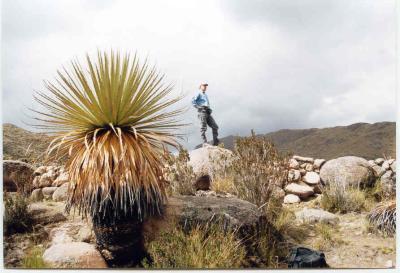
[(353, 245)]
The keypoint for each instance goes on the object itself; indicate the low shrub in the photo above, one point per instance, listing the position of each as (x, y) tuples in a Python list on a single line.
[(179, 174), (16, 216), (223, 185), (326, 237), (202, 247)]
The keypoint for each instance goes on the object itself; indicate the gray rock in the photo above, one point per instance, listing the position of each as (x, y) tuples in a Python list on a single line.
[(74, 255), (291, 199), (48, 191), (294, 175), (17, 175), (207, 161), (293, 164), (348, 171), (316, 215), (378, 170), (371, 162), (303, 159), (311, 178), (388, 183), (45, 213), (393, 166), (37, 195), (309, 167), (302, 171), (390, 161), (45, 180), (318, 163), (303, 191), (61, 179), (61, 193), (379, 161), (386, 165)]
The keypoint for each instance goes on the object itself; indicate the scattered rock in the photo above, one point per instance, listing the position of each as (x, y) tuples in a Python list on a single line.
[(303, 159), (294, 175), (74, 255), (291, 199), (379, 161), (303, 191), (311, 178), (309, 167), (61, 179), (349, 171), (41, 170), (48, 191), (293, 164), (37, 195), (393, 166), (61, 193), (318, 163), (45, 180), (386, 165), (316, 215), (44, 213), (378, 170)]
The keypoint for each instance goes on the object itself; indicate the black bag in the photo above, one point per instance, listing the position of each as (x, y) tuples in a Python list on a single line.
[(301, 257)]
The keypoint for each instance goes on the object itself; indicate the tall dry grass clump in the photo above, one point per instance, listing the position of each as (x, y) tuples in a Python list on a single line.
[(202, 247), (16, 215), (383, 217)]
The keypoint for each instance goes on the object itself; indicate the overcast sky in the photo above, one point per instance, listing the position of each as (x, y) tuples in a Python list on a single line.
[(270, 64)]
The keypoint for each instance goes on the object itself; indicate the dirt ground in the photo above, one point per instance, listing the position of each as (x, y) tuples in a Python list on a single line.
[(353, 244)]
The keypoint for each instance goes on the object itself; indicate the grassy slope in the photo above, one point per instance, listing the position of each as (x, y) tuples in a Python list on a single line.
[(360, 139)]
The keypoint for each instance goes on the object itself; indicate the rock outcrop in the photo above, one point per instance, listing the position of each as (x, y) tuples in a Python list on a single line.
[(17, 175)]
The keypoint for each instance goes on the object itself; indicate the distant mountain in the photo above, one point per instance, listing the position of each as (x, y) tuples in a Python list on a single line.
[(22, 144), (359, 139)]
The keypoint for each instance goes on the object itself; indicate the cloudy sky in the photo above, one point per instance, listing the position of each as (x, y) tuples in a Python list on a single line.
[(270, 64)]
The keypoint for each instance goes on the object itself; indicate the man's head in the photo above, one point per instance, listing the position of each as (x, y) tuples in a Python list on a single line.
[(203, 87)]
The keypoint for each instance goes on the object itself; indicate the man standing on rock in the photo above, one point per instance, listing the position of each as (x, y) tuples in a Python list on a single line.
[(202, 104)]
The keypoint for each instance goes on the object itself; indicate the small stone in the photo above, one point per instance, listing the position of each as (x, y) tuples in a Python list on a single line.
[(303, 159), (393, 166), (61, 193), (303, 191), (386, 165), (37, 195), (293, 164), (311, 178), (318, 163), (41, 170), (291, 199), (294, 175), (309, 167), (318, 188), (62, 178), (303, 172), (48, 192), (379, 161), (74, 255), (45, 180)]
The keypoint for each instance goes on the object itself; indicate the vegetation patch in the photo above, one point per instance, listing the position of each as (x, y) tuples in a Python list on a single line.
[(34, 259), (16, 216)]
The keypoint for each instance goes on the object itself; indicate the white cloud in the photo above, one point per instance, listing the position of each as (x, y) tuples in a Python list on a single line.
[(270, 64)]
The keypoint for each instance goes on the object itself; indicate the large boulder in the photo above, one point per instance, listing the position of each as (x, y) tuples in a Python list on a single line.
[(48, 192), (74, 255), (348, 171), (17, 175), (206, 161)]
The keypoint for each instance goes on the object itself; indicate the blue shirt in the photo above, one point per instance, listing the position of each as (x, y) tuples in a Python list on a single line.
[(201, 100)]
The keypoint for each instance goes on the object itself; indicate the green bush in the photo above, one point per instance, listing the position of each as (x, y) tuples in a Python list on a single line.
[(202, 247), (16, 216)]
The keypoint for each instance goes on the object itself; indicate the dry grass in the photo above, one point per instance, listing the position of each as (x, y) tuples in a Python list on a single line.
[(202, 247), (223, 185), (326, 237), (383, 217), (16, 216), (34, 259)]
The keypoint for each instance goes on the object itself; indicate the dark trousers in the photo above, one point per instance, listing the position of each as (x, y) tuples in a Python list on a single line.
[(206, 119)]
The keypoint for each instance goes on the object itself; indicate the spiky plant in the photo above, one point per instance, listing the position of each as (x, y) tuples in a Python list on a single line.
[(383, 217), (113, 120)]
